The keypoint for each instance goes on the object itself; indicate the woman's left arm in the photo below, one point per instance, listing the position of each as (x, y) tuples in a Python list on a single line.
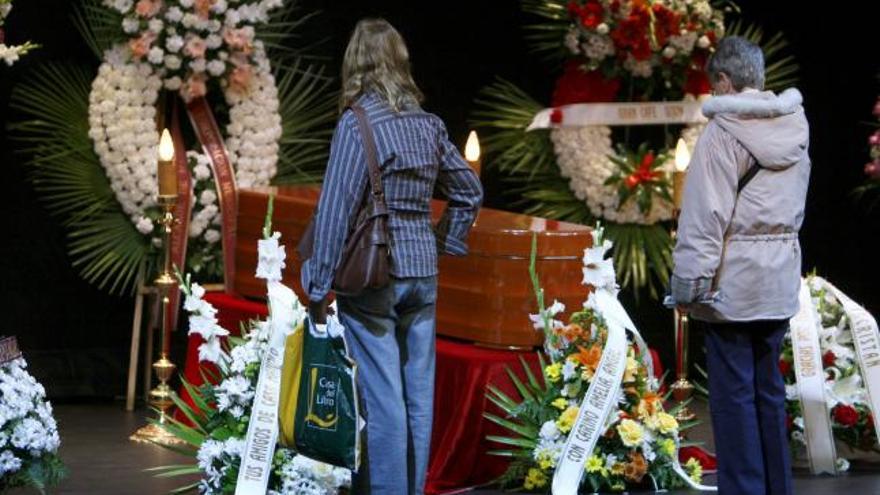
[(344, 185)]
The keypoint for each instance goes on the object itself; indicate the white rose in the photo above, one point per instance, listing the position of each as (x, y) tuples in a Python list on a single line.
[(144, 225), (172, 62), (669, 52), (131, 25), (602, 28), (174, 14), (208, 197), (173, 83), (216, 67), (212, 236), (703, 42), (174, 44), (201, 172), (213, 41), (156, 25), (155, 55), (198, 65)]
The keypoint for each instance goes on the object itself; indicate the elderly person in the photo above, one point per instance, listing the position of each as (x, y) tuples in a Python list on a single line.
[(738, 261)]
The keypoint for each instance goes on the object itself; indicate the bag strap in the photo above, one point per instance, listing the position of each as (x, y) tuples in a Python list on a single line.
[(372, 154), (749, 175)]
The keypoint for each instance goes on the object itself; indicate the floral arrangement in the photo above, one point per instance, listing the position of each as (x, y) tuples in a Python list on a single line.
[(11, 53), (663, 46), (221, 412), (272, 113), (191, 41), (872, 168), (845, 393), (640, 445), (29, 438), (611, 51)]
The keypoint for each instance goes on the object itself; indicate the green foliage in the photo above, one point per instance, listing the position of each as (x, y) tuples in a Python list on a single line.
[(40, 474)]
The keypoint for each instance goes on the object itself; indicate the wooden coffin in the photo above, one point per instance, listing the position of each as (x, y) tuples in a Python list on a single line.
[(484, 297)]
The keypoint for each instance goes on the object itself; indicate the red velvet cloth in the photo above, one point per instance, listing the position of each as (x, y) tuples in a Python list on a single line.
[(459, 457)]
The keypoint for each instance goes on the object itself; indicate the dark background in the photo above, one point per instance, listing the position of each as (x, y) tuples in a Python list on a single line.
[(77, 337)]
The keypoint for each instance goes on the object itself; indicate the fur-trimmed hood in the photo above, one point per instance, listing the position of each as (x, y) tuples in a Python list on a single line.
[(772, 127)]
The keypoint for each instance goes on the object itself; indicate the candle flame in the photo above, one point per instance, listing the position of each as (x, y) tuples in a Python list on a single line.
[(166, 147), (682, 156), (472, 148)]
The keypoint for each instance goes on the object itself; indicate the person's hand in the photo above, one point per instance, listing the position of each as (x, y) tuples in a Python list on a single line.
[(318, 312)]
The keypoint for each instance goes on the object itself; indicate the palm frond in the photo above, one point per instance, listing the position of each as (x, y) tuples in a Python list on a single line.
[(100, 27), (545, 36), (103, 244), (781, 68), (307, 108)]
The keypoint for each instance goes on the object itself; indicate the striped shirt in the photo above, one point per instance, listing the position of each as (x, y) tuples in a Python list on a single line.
[(415, 156)]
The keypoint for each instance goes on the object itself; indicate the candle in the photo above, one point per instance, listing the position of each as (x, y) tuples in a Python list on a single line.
[(167, 170), (472, 152), (682, 160)]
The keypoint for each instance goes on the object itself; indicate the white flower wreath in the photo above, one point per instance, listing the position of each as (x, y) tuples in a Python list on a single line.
[(583, 157), (121, 125), (179, 46)]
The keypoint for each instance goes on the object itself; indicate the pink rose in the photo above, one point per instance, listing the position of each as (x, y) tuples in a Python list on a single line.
[(240, 78), (148, 8), (140, 46), (195, 47), (203, 7), (238, 39), (194, 87), (872, 170)]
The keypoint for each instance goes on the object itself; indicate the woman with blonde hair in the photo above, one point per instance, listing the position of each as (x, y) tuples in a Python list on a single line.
[(390, 330)]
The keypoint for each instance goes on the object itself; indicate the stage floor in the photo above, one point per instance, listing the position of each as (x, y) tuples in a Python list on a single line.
[(102, 460)]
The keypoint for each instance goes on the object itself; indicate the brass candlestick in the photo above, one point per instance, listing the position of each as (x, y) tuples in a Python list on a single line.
[(162, 397), (682, 388)]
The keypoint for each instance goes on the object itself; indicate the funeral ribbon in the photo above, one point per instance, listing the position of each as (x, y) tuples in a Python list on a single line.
[(810, 376), (212, 142), (867, 343), (262, 433), (182, 212), (614, 114), (600, 399)]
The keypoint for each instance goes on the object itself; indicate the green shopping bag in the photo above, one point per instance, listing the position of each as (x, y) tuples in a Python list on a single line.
[(327, 422)]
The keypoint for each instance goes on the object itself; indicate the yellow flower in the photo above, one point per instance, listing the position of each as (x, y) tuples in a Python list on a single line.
[(695, 469), (545, 463), (560, 403), (618, 487), (535, 479), (632, 369), (631, 433), (553, 372), (595, 464), (618, 468), (666, 423), (667, 446), (567, 418)]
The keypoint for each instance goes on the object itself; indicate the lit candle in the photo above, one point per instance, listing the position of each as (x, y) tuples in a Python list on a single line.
[(472, 152), (682, 160), (167, 170)]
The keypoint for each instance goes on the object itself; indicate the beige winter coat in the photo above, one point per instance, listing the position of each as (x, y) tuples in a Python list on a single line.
[(739, 258)]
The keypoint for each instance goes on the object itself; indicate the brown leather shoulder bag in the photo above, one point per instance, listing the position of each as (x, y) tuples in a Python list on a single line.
[(365, 262)]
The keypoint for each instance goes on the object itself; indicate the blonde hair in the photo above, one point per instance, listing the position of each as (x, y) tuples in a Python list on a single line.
[(377, 59)]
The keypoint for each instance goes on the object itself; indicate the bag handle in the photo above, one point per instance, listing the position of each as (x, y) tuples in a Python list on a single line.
[(372, 154)]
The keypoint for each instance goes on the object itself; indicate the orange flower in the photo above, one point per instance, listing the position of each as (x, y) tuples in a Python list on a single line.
[(649, 405), (636, 469), (589, 358)]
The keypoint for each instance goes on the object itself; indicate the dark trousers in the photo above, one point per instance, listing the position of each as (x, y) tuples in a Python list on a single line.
[(747, 404)]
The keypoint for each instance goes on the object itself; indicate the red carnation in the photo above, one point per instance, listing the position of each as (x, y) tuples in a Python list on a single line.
[(556, 116), (576, 85), (784, 366), (696, 83), (846, 415), (828, 359), (592, 15)]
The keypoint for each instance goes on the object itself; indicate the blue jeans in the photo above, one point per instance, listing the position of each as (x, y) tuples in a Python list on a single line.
[(747, 405), (390, 333)]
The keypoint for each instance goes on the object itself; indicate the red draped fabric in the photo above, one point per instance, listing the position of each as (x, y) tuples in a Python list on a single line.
[(459, 449)]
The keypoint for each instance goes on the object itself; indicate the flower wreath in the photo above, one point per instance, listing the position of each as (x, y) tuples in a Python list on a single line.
[(181, 45)]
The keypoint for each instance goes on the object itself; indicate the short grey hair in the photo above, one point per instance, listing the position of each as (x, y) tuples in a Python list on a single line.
[(741, 60)]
